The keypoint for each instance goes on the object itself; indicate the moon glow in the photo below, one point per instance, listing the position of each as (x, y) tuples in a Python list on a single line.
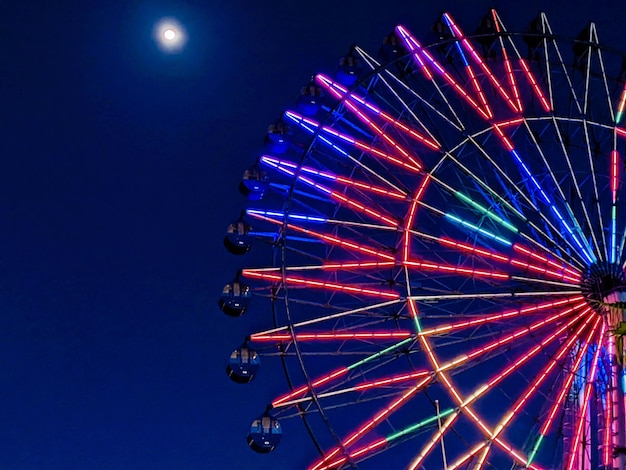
[(170, 35)]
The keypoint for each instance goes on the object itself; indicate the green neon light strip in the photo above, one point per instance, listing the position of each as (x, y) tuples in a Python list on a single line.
[(485, 211), (379, 353), (416, 426), (478, 229), (535, 449)]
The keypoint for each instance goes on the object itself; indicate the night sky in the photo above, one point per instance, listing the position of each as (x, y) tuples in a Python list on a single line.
[(119, 166)]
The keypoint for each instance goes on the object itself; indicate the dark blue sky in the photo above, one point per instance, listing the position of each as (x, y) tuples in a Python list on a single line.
[(119, 167)]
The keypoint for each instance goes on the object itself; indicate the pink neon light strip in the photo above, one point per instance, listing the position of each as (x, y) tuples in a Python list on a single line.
[(481, 63), (426, 265), (320, 284), (556, 406), (381, 415), (352, 141), (501, 316), (415, 47), (583, 411), (608, 411), (507, 64), (614, 160), (536, 88), (369, 335), (343, 92), (328, 238), (301, 390), (371, 124)]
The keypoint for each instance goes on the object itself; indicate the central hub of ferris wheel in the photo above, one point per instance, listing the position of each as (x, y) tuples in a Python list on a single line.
[(604, 287)]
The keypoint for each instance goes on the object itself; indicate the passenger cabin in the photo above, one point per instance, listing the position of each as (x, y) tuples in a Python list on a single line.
[(243, 365), (277, 138), (254, 183), (238, 239), (265, 433), (392, 48), (310, 99), (348, 70), (235, 298)]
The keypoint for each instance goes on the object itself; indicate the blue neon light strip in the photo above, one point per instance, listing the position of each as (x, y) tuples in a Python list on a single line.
[(456, 43), (585, 250), (281, 215)]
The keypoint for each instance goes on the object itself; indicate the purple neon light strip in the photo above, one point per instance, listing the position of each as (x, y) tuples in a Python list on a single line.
[(345, 93), (310, 125)]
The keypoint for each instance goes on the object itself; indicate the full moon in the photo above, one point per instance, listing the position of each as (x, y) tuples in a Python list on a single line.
[(170, 35)]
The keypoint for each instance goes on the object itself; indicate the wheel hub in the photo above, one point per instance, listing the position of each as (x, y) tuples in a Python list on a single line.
[(604, 287)]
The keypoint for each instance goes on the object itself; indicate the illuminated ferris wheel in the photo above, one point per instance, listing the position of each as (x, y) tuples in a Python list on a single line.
[(446, 286)]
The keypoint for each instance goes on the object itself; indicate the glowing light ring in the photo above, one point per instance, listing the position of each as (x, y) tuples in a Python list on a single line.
[(450, 260)]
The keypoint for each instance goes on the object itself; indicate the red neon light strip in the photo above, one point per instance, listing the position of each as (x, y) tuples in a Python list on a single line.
[(500, 316), (387, 117), (521, 332), (356, 388), (568, 382), (455, 269), (358, 206), (411, 217), (328, 238), (583, 411), (472, 249), (331, 336), (515, 262), (416, 48), (415, 464), (363, 265), (369, 187), (548, 272), (507, 64), (505, 140), (479, 91), (537, 89), (554, 362), (381, 415), (573, 273), (301, 390), (481, 63), (320, 284), (537, 382)]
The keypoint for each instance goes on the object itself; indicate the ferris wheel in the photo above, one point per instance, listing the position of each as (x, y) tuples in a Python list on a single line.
[(446, 229)]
